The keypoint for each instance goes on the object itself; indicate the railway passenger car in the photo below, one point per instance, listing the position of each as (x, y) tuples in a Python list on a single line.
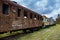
[(48, 21), (51, 21), (16, 17)]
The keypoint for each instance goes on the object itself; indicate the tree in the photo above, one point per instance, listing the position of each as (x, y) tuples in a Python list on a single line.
[(58, 19), (58, 16)]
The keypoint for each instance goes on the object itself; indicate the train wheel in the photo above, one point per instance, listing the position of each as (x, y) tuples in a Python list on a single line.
[(37, 29), (10, 32), (24, 31), (31, 30), (44, 26)]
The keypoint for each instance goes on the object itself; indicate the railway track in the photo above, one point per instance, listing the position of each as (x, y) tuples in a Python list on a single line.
[(14, 37)]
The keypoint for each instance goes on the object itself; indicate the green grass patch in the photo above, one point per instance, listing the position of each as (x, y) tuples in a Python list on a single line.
[(8, 34), (51, 33)]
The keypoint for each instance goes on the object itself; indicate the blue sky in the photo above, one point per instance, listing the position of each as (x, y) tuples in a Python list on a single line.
[(50, 8)]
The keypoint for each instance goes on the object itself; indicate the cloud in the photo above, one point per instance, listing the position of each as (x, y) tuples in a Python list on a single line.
[(50, 8), (54, 13), (41, 3)]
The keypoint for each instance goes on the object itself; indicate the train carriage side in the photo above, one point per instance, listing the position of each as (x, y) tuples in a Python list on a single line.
[(5, 21), (16, 17), (37, 20), (9, 17)]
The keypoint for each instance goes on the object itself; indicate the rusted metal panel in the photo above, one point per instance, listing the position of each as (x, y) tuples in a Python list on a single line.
[(31, 23), (13, 22), (25, 23), (16, 21)]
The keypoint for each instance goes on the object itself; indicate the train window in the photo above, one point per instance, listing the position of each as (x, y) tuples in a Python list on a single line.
[(41, 18), (38, 17), (5, 8), (25, 13), (19, 12), (35, 17), (31, 15)]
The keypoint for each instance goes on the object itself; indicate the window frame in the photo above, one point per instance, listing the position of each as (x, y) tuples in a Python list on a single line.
[(38, 17), (25, 13), (19, 12), (5, 10), (31, 15)]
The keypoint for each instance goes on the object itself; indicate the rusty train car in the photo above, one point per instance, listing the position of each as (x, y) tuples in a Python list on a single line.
[(16, 17), (48, 21)]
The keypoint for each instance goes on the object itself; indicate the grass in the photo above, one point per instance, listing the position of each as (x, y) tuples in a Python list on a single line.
[(51, 33), (8, 34)]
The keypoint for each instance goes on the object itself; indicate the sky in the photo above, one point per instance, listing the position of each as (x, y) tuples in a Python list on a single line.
[(49, 8)]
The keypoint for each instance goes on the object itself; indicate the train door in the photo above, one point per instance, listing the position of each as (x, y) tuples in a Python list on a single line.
[(5, 16), (31, 20)]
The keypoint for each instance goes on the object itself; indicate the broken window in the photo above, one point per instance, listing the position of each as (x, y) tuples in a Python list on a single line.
[(19, 12), (38, 17), (5, 8), (35, 17), (25, 14), (41, 18), (31, 15)]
